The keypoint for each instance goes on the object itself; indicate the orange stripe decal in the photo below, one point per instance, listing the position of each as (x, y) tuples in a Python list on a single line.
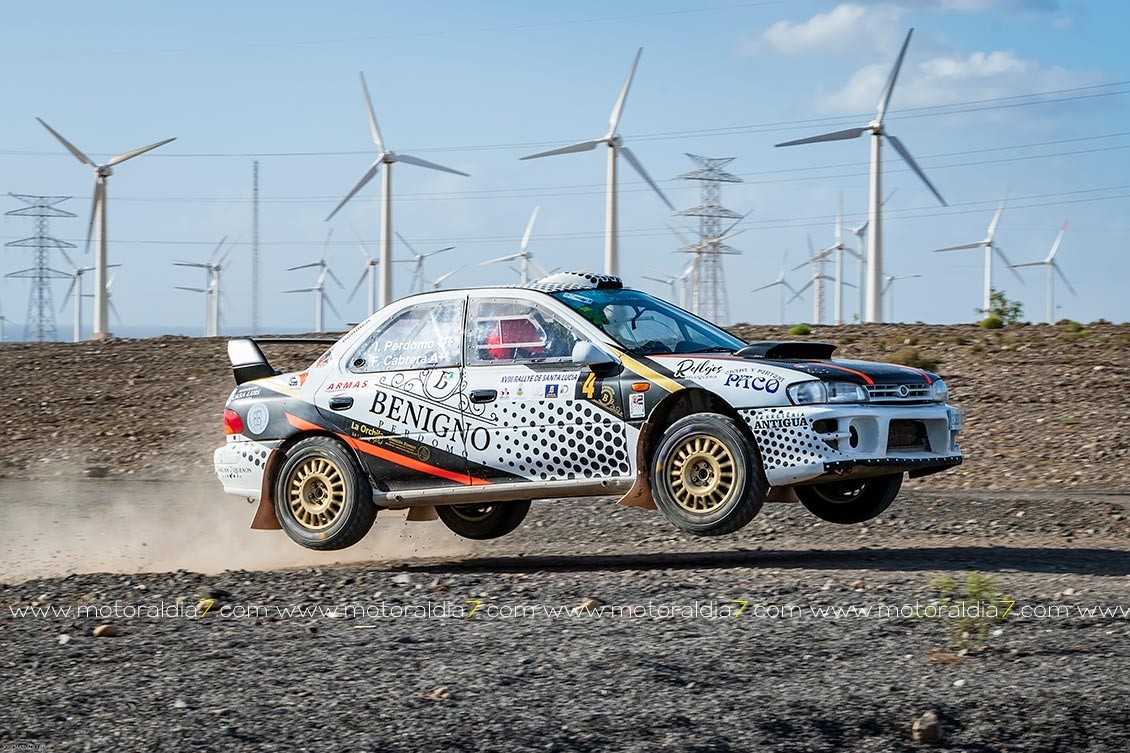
[(859, 374), (389, 455)]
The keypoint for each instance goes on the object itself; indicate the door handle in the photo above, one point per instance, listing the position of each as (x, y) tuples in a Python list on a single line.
[(341, 402), (483, 396)]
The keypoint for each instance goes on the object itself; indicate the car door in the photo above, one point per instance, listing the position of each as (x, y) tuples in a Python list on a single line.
[(396, 397), (553, 420)]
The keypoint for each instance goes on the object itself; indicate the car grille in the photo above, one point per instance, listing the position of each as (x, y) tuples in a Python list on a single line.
[(898, 393), (907, 435)]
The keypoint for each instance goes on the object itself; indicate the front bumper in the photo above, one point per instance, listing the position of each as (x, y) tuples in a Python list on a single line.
[(814, 443), (240, 465)]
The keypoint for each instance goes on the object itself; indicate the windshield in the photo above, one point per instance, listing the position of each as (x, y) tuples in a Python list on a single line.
[(643, 325)]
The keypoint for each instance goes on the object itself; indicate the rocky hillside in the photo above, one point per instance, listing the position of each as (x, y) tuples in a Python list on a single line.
[(1045, 406)]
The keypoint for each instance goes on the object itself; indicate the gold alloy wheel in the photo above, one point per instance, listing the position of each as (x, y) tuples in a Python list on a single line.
[(316, 493), (701, 474)]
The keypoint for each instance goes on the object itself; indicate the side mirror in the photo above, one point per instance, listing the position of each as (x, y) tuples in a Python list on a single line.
[(588, 354)]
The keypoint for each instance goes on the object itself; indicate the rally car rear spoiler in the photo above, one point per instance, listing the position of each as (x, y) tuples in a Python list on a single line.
[(248, 362), (800, 351)]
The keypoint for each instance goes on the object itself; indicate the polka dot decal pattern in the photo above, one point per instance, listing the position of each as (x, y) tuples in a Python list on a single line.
[(557, 439), (784, 444), (252, 452)]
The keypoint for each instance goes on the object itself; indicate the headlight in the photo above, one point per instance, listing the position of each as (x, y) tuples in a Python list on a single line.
[(939, 391), (814, 393)]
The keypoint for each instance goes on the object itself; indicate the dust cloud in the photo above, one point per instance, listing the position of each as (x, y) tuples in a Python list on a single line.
[(54, 528)]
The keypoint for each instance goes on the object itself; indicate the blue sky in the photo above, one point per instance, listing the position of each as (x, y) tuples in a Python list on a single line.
[(475, 86)]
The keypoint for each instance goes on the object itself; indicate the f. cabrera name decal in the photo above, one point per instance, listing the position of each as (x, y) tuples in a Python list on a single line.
[(427, 419)]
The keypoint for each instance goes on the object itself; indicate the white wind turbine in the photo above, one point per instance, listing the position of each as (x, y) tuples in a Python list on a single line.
[(816, 282), (109, 296), (437, 283), (212, 315), (667, 279), (369, 273), (781, 283), (385, 158), (419, 282), (3, 325), (837, 249), (1053, 269), (990, 247), (526, 259), (321, 300), (874, 309), (889, 292), (615, 146), (75, 290), (97, 225)]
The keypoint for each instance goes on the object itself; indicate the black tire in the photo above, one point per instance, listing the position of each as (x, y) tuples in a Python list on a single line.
[(850, 501), (323, 499), (483, 521), (703, 496)]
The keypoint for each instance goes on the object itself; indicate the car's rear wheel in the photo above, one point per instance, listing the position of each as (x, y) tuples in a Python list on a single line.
[(850, 501), (483, 521), (322, 497), (706, 476)]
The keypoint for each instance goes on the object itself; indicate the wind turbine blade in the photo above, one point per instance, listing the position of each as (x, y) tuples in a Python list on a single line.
[(368, 176), (439, 280), (618, 108), (305, 266), (914, 166), (408, 159), (374, 129), (68, 258), (1031, 264), (539, 270), (584, 146), (360, 282), (130, 155), (114, 311), (70, 147), (1063, 277), (194, 290), (1011, 268), (736, 222), (70, 292), (1051, 255), (766, 287), (682, 238), (218, 247), (330, 272), (501, 259), (301, 290), (962, 247), (529, 229), (95, 205), (996, 220), (889, 87), (798, 293), (850, 133), (437, 251), (191, 264), (884, 203), (643, 174), (333, 308)]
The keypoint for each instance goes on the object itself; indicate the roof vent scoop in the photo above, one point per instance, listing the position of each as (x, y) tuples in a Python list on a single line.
[(576, 281), (796, 351)]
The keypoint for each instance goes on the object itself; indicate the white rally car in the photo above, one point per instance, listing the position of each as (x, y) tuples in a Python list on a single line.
[(468, 404)]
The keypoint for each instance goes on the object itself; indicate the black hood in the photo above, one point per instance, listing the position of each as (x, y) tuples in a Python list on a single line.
[(858, 372)]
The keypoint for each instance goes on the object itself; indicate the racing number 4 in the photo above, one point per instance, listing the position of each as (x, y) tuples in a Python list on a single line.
[(589, 387)]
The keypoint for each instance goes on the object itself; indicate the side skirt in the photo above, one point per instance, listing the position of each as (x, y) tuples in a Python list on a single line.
[(506, 492)]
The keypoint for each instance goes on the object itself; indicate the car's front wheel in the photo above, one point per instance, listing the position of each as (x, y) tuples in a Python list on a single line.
[(851, 501), (706, 477), (323, 499), (483, 521)]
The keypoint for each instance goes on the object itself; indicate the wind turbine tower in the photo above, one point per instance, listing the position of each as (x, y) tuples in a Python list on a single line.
[(40, 321), (709, 299)]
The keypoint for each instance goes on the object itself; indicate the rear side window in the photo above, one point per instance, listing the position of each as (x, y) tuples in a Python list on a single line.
[(508, 331), (425, 336)]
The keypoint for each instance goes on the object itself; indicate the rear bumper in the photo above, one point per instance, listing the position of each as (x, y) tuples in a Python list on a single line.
[(240, 465), (811, 444)]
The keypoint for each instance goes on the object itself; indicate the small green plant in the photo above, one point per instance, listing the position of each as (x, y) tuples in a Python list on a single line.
[(799, 330), (971, 607), (912, 357), (1009, 312), (1068, 325), (991, 322)]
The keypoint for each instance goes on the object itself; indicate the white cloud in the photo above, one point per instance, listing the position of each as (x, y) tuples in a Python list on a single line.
[(944, 79), (844, 30)]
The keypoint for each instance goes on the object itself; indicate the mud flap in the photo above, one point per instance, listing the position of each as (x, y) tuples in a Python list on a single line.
[(265, 518), (421, 513)]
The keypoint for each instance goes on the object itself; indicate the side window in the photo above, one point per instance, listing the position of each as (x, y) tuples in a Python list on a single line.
[(506, 331), (426, 336)]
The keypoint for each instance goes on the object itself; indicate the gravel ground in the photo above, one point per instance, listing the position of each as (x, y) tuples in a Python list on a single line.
[(604, 679), (1045, 407)]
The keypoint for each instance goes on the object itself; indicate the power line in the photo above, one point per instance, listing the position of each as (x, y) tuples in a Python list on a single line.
[(550, 191), (965, 106), (765, 224)]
